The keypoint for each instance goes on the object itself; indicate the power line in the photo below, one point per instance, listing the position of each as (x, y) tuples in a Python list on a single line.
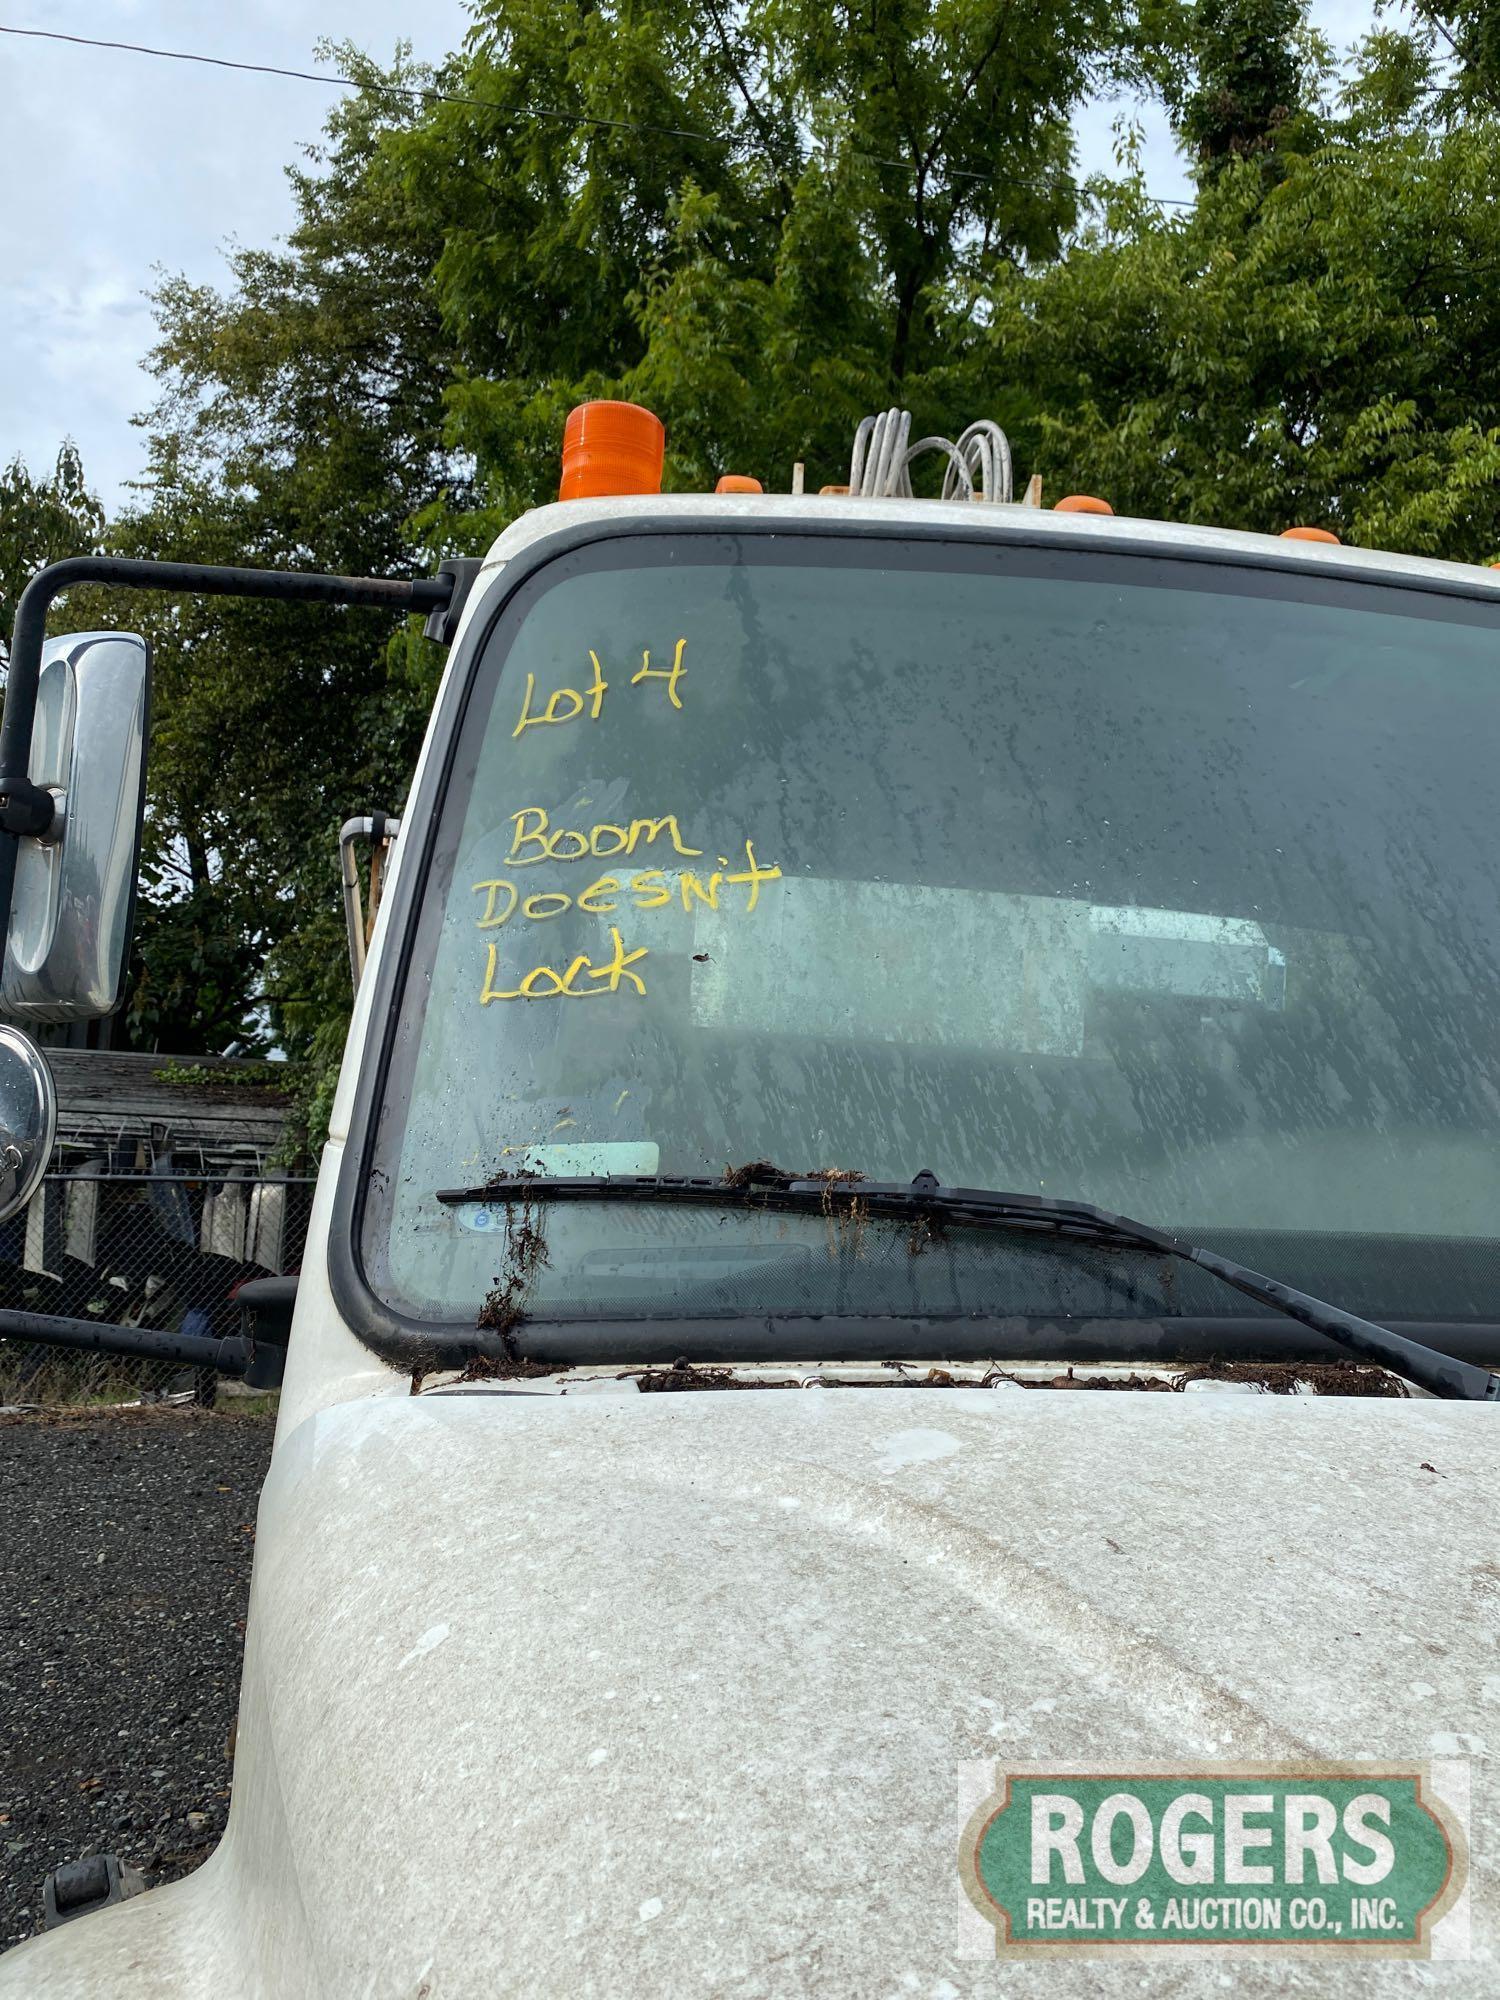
[(335, 80)]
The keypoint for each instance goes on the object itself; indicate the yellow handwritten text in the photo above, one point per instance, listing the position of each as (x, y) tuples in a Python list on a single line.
[(649, 890), (566, 704), (671, 675), (534, 829), (753, 874), (593, 696), (544, 983), (587, 898)]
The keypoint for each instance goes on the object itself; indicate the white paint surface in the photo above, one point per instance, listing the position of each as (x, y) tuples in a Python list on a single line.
[(433, 1636), (791, 1694), (914, 1447)]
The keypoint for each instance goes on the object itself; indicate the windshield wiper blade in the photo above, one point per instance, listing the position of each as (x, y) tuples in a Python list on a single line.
[(767, 1187)]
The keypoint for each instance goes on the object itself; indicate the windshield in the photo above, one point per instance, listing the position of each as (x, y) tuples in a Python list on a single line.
[(1165, 886)]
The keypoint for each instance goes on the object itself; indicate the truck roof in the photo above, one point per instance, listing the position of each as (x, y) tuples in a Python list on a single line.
[(1011, 523)]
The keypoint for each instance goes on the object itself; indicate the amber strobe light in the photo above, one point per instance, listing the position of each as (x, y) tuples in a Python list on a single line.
[(611, 448)]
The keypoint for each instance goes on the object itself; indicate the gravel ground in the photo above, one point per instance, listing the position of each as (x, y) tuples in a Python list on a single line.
[(125, 1546)]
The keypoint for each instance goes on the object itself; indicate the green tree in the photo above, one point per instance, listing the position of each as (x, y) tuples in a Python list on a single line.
[(41, 521), (1324, 352), (186, 989), (1468, 31), (764, 219), (1252, 80), (300, 426)]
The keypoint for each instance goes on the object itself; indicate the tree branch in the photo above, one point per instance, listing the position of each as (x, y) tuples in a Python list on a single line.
[(757, 116), (976, 71)]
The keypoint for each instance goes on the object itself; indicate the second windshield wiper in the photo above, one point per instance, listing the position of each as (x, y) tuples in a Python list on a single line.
[(764, 1186)]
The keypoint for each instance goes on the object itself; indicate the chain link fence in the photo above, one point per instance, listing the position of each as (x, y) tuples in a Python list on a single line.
[(165, 1250)]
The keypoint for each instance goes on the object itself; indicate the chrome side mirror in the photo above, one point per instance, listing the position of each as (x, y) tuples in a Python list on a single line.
[(28, 1119), (74, 895)]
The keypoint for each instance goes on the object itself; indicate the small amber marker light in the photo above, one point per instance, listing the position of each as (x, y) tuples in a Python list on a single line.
[(611, 448), (738, 482), (1310, 535), (1081, 503)]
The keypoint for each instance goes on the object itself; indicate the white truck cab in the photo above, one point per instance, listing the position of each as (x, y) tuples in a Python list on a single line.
[(732, 1437)]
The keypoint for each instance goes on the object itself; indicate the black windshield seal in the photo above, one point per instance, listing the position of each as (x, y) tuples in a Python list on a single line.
[(432, 814)]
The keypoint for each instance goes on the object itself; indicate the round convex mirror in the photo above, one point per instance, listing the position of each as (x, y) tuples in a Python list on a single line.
[(28, 1119)]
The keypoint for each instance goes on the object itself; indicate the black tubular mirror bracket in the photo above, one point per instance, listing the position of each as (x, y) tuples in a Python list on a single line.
[(230, 1355), (26, 808), (462, 572)]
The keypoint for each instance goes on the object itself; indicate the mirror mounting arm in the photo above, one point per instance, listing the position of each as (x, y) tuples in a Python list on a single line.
[(28, 809)]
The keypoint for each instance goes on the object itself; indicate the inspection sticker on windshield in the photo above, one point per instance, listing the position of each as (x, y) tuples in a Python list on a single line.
[(1307, 1860)]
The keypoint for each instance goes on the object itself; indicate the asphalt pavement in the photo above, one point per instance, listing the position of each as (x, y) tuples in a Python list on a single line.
[(125, 1548)]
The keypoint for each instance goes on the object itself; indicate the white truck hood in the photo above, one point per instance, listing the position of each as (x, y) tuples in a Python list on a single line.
[(636, 1694)]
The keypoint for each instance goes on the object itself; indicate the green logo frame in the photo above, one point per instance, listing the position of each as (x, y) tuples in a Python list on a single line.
[(1310, 1859)]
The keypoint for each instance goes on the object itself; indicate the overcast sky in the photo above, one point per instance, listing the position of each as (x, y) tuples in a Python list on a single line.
[(116, 164)]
